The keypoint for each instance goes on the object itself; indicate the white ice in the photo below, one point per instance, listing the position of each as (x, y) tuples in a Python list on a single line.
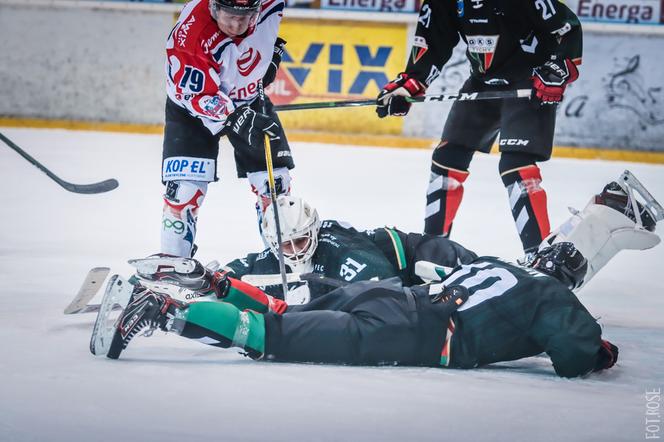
[(169, 389)]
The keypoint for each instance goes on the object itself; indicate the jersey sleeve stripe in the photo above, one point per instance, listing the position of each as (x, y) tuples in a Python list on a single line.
[(278, 8)]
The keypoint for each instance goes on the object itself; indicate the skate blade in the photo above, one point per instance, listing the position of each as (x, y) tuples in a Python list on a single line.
[(627, 179), (118, 291), (158, 264)]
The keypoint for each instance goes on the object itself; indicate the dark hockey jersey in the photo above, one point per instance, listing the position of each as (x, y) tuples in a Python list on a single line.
[(347, 255), (505, 39)]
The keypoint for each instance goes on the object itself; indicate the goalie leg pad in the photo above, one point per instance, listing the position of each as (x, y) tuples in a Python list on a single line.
[(178, 225), (599, 233)]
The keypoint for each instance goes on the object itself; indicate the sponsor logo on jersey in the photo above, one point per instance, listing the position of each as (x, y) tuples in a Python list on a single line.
[(214, 106), (248, 61), (207, 44), (514, 142), (481, 49), (420, 47), (477, 4), (181, 35)]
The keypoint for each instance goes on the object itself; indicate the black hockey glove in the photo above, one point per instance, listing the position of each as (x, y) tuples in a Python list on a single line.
[(551, 79), (272, 69), (392, 99), (450, 299), (250, 125), (607, 356), (562, 261)]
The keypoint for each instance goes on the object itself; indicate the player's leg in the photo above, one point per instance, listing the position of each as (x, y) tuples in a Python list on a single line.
[(526, 136), (189, 164), (250, 162), (608, 224), (378, 328), (470, 126), (527, 198)]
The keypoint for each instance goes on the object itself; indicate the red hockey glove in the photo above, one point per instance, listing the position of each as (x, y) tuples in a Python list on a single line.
[(607, 356), (551, 79), (392, 99)]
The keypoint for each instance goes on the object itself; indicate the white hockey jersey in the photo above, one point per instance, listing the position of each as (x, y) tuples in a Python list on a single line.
[(210, 74)]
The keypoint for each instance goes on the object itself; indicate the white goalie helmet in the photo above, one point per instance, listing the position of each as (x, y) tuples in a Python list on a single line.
[(299, 224)]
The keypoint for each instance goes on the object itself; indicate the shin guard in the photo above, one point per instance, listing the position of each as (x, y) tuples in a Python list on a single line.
[(528, 204), (178, 225), (222, 325), (444, 196)]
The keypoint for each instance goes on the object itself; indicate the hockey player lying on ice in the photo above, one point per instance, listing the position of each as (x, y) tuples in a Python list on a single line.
[(484, 311)]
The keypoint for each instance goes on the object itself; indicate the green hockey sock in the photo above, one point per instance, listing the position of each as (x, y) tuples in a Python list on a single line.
[(222, 325)]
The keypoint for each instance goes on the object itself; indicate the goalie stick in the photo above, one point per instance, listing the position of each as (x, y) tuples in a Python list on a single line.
[(100, 187), (87, 291)]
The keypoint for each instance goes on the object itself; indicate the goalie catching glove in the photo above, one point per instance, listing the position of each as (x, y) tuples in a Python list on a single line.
[(551, 79), (250, 125), (392, 99)]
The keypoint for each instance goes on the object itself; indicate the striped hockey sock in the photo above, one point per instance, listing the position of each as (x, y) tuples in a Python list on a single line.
[(444, 196), (528, 204)]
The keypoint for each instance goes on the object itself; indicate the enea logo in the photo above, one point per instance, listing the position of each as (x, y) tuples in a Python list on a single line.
[(339, 63)]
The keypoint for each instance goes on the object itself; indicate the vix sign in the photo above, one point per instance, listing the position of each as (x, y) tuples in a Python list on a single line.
[(335, 60)]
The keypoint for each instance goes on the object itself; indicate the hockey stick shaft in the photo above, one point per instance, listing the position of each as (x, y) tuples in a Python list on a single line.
[(273, 195), (461, 96), (100, 187)]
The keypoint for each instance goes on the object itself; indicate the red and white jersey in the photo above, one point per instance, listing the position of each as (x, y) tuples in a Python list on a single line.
[(210, 74)]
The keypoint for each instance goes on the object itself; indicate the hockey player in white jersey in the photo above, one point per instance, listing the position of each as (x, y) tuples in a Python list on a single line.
[(217, 54)]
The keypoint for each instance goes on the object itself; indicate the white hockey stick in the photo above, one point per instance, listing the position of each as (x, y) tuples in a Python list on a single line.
[(87, 291)]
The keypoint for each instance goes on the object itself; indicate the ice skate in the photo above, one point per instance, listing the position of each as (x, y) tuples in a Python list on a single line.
[(619, 195), (145, 312), (187, 273)]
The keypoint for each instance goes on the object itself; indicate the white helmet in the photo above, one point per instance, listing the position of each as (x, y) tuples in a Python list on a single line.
[(299, 224)]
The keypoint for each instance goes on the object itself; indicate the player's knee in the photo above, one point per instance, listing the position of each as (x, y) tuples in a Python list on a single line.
[(182, 199), (449, 155), (260, 184)]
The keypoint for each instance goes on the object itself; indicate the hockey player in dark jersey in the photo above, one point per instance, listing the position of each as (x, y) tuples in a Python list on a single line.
[(331, 253), (510, 45), (482, 312)]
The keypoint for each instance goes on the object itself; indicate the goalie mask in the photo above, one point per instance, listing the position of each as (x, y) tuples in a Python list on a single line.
[(299, 224)]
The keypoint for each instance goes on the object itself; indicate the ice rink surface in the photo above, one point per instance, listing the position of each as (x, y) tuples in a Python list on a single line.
[(169, 389)]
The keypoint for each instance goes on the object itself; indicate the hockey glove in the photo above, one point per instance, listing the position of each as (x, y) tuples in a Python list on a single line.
[(392, 99), (450, 299), (551, 79), (250, 125), (607, 356), (272, 69)]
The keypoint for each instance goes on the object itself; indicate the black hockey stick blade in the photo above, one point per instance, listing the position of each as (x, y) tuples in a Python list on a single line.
[(461, 96), (100, 187)]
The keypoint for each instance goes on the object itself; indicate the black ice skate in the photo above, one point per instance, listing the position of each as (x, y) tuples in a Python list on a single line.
[(619, 195), (145, 312)]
